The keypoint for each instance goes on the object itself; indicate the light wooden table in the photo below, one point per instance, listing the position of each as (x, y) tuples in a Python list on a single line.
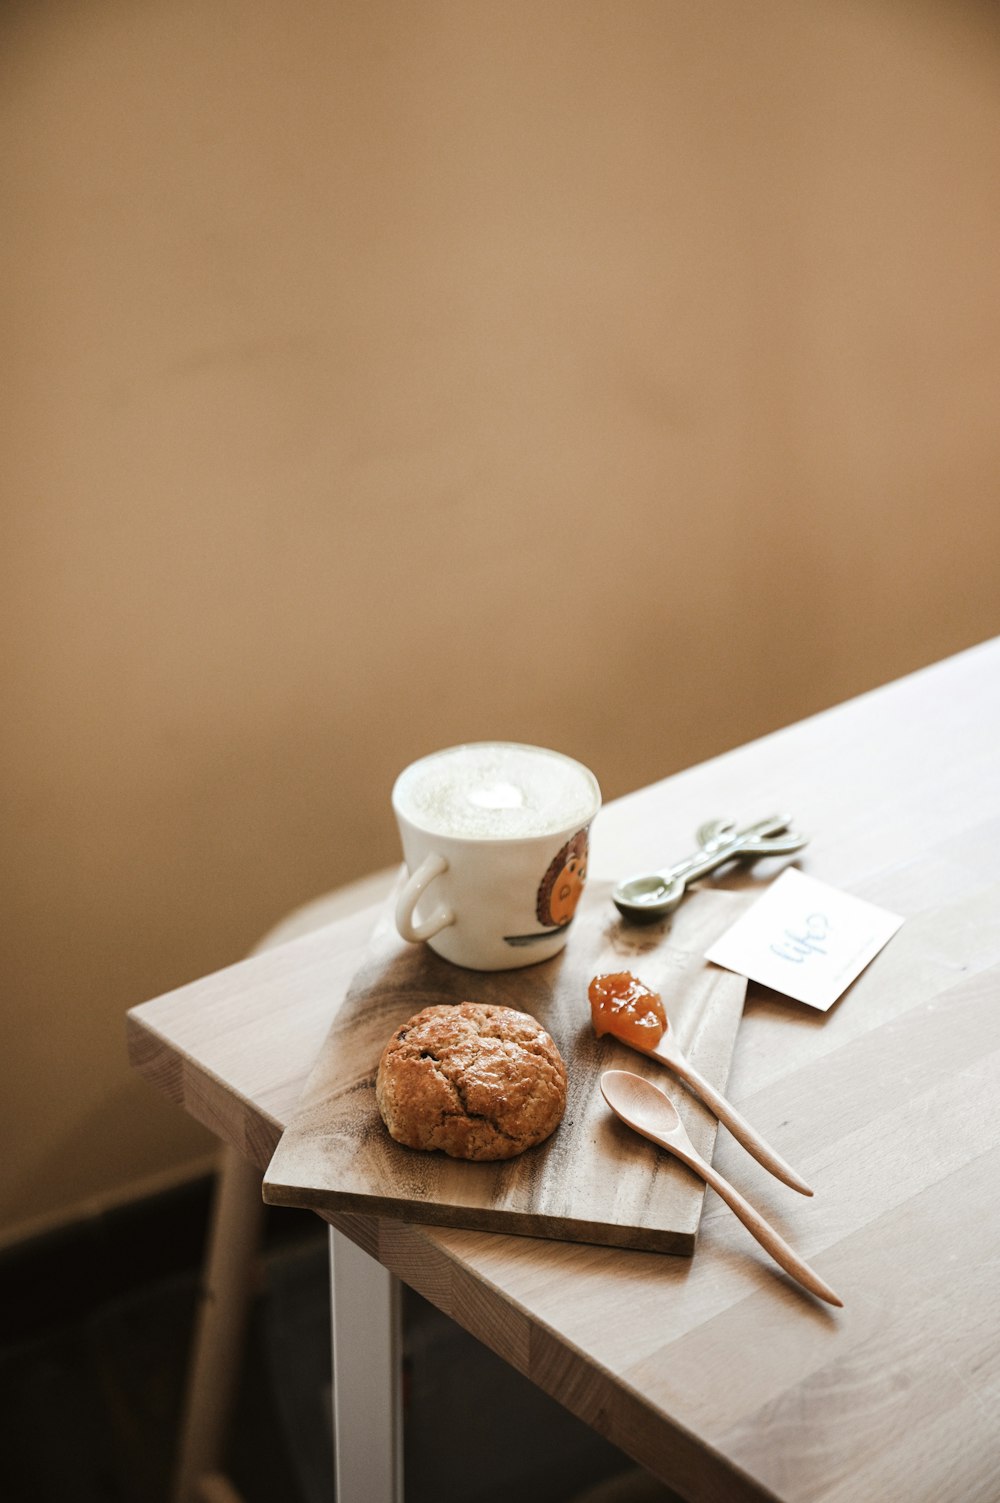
[(716, 1373)]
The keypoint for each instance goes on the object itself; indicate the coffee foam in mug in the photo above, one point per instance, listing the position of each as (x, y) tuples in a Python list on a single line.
[(495, 791)]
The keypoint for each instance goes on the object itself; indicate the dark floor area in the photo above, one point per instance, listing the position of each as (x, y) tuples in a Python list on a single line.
[(95, 1335)]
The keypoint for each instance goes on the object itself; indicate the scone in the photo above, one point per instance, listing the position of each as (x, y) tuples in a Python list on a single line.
[(471, 1079)]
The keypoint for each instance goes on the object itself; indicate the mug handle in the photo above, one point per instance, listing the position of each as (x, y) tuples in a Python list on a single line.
[(410, 896)]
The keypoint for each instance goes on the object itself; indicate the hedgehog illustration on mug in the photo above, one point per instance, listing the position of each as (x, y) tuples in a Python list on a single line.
[(560, 890), (562, 884)]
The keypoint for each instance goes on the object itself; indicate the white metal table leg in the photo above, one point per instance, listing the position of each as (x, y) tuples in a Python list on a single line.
[(365, 1301)]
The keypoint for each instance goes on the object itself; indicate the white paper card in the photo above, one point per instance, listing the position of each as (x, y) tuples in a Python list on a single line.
[(805, 939)]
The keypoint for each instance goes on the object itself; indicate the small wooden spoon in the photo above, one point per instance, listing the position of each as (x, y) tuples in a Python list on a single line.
[(647, 1110)]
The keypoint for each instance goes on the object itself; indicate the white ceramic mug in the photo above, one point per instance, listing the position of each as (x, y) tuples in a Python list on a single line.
[(495, 838)]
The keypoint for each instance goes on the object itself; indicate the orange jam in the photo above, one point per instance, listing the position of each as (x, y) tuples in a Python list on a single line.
[(622, 1005)]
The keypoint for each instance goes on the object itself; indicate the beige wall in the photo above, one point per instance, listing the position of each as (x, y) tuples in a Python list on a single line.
[(620, 376)]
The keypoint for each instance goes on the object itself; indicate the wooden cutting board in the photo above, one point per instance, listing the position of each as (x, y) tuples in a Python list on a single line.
[(594, 1180)]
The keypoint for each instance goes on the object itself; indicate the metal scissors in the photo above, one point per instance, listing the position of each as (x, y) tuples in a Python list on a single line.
[(652, 895)]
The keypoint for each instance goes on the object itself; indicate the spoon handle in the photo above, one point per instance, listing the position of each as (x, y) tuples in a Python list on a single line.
[(766, 1235), (737, 1124)]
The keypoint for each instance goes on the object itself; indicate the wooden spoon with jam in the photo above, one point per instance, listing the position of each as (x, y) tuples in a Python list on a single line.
[(622, 1005)]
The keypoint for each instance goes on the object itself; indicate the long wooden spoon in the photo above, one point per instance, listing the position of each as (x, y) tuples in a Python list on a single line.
[(669, 1053), (632, 1012), (647, 1110)]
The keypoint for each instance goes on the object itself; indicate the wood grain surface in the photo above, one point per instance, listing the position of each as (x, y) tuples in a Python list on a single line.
[(714, 1371), (592, 1180)]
